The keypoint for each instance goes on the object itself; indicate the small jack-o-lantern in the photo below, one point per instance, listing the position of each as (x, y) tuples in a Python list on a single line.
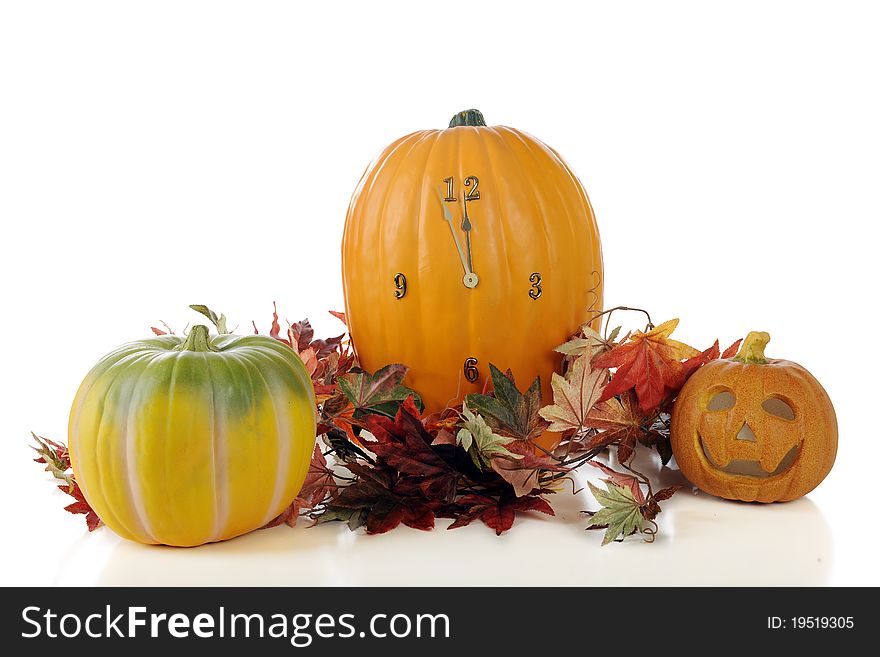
[(754, 429)]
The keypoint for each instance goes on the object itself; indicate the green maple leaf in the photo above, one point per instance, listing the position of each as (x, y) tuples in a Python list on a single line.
[(381, 393), (480, 442), (510, 411), (620, 511)]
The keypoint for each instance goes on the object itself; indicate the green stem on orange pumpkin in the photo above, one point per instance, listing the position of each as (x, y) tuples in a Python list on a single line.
[(471, 117), (197, 340), (752, 348)]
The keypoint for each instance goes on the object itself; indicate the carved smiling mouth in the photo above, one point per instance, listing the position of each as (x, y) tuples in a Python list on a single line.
[(748, 468)]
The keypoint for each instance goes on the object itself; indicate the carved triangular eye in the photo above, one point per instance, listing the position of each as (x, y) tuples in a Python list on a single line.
[(778, 407), (723, 400)]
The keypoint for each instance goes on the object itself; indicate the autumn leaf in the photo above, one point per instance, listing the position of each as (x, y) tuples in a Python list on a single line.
[(573, 396), (622, 479), (336, 364), (55, 456), (372, 501), (288, 517), (497, 514), (478, 440), (403, 444), (621, 513), (618, 420), (649, 362), (522, 471), (730, 352), (301, 334), (588, 343), (339, 411), (81, 506), (354, 518), (381, 392), (447, 419), (666, 493), (341, 445), (319, 483), (694, 363), (218, 322), (275, 327), (507, 410), (620, 502)]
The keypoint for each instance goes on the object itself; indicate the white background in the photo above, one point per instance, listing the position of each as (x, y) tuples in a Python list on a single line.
[(154, 155)]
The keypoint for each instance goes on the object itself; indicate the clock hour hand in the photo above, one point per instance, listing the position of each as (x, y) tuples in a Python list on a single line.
[(466, 227)]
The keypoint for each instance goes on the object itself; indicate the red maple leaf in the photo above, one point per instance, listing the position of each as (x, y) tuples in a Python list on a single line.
[(319, 483), (649, 362), (81, 506), (374, 499), (694, 363), (405, 445), (498, 514)]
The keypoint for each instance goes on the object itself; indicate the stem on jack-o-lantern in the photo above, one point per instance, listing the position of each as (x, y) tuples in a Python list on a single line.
[(752, 349)]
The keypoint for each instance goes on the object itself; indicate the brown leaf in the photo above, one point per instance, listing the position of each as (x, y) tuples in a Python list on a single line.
[(666, 493), (617, 419), (522, 473), (626, 448)]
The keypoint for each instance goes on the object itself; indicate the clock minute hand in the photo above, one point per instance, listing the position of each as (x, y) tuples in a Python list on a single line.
[(447, 216)]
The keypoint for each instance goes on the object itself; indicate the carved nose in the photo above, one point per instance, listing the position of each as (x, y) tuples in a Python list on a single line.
[(746, 433)]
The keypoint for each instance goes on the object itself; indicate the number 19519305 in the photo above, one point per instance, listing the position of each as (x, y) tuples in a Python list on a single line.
[(811, 623)]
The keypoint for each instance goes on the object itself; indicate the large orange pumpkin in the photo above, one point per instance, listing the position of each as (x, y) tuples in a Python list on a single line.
[(753, 428), (464, 247)]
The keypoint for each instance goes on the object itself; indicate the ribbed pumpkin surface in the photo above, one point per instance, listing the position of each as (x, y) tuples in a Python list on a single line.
[(185, 447), (533, 216)]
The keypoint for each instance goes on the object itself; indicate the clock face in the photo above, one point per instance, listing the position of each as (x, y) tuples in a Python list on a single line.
[(458, 207)]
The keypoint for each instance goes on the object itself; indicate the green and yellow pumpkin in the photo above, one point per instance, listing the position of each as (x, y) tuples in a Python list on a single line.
[(184, 441)]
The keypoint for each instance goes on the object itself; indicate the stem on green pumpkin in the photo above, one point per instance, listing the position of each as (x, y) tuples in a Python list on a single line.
[(752, 349), (198, 339)]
